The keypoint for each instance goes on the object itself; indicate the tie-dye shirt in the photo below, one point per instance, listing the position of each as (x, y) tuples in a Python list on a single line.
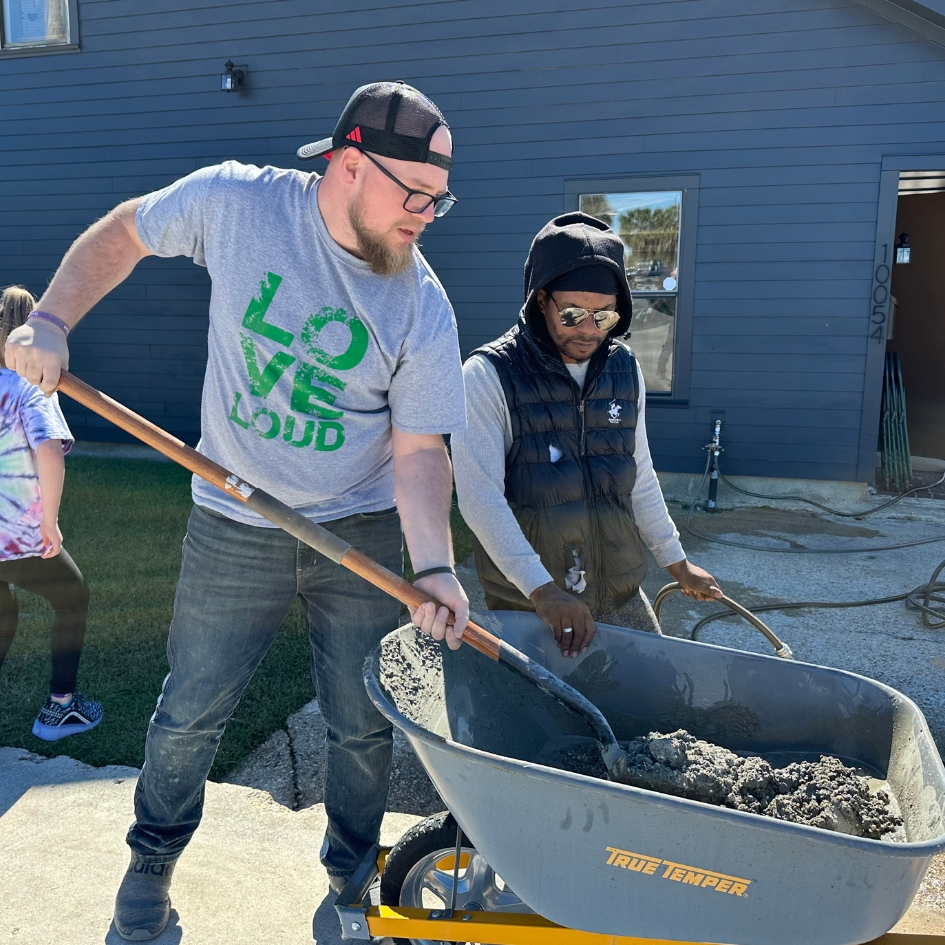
[(27, 419)]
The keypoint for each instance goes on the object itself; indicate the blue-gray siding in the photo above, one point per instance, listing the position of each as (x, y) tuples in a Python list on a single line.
[(784, 108)]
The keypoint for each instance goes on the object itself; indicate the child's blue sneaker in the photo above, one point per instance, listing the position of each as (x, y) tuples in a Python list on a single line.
[(57, 721)]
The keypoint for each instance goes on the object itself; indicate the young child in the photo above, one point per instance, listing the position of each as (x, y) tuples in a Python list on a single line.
[(34, 438)]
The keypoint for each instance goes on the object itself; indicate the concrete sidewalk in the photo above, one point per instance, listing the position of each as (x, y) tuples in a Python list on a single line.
[(251, 875)]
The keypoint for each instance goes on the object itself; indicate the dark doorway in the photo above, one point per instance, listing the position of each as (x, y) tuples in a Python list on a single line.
[(917, 315)]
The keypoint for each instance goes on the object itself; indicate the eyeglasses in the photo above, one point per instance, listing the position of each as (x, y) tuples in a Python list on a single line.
[(417, 201), (572, 316)]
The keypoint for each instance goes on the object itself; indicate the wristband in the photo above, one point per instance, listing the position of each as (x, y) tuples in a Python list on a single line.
[(442, 569), (52, 319)]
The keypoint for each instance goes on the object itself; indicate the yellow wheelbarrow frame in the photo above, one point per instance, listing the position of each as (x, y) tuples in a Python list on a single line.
[(365, 922)]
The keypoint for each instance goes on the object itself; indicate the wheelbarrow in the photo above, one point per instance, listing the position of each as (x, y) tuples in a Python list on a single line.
[(529, 853), (558, 857)]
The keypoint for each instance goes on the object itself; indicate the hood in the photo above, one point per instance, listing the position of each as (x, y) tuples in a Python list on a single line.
[(568, 242)]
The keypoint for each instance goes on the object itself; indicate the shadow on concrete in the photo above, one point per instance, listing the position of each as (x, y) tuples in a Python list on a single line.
[(21, 770), (411, 790), (325, 925), (170, 936)]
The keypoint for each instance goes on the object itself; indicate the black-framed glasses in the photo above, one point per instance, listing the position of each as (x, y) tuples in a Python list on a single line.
[(417, 200), (572, 316)]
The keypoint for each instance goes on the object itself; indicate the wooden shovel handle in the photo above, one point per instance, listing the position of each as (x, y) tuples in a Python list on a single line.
[(147, 432), (277, 512), (413, 597)]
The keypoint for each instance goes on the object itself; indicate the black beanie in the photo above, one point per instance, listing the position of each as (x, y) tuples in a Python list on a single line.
[(594, 278), (570, 242)]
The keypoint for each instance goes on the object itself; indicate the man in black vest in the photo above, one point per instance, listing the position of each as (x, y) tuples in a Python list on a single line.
[(553, 471)]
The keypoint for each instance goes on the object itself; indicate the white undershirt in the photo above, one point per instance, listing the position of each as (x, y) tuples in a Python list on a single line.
[(479, 454), (579, 372)]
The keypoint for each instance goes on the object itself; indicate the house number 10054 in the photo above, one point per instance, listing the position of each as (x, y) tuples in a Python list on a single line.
[(880, 299)]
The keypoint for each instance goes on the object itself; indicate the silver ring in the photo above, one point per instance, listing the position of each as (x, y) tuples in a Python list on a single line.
[(567, 630)]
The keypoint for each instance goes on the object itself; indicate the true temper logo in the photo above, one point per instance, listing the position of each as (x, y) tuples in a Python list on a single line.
[(677, 872)]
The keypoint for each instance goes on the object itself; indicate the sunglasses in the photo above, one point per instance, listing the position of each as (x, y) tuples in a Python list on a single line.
[(417, 201), (572, 316)]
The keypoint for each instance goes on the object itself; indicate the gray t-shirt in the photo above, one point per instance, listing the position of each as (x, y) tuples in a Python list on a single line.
[(312, 356)]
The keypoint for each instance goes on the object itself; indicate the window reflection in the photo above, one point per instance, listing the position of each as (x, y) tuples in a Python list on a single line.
[(34, 22), (647, 223), (652, 335)]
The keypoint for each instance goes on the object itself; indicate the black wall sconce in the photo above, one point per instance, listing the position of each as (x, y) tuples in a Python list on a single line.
[(903, 249), (232, 80)]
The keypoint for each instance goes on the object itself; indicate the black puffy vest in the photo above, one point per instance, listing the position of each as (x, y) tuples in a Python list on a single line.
[(576, 504)]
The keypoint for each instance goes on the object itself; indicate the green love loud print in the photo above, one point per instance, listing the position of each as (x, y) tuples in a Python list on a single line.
[(314, 386)]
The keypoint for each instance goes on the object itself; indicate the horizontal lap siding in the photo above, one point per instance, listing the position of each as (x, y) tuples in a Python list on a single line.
[(784, 108)]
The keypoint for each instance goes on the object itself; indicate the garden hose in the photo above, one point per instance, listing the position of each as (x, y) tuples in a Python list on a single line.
[(780, 648), (800, 551), (921, 598), (825, 508)]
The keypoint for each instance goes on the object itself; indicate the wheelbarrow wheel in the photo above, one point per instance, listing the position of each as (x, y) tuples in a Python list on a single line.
[(418, 874)]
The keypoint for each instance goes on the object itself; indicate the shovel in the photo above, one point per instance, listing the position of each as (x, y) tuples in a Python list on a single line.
[(339, 551)]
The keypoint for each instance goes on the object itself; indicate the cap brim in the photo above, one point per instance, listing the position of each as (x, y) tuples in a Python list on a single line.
[(314, 150)]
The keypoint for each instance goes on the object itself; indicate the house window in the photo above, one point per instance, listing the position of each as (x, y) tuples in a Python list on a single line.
[(655, 220), (648, 225), (37, 25)]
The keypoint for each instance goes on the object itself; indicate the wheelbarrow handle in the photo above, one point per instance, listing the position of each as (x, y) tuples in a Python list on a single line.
[(780, 647), (265, 505)]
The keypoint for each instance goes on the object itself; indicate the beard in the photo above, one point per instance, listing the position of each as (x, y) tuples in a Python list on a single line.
[(382, 258), (567, 346)]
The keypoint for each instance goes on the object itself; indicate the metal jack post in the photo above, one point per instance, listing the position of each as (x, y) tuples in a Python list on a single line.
[(714, 451)]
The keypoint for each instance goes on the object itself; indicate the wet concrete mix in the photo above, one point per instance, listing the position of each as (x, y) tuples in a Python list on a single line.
[(824, 793)]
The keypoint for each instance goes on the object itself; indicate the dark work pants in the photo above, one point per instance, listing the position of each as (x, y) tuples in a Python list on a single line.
[(236, 585), (60, 582)]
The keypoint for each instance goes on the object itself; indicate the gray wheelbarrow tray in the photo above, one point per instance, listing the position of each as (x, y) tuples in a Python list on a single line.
[(609, 858)]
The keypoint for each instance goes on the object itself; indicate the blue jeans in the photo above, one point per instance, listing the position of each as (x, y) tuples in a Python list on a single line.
[(236, 585)]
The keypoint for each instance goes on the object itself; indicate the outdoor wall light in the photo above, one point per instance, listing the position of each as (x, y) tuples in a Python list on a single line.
[(903, 249), (232, 79)]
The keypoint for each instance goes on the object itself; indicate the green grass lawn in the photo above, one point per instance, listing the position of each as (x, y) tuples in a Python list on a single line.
[(123, 522)]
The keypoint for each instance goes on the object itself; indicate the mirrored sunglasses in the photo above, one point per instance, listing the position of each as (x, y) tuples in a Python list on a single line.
[(572, 316)]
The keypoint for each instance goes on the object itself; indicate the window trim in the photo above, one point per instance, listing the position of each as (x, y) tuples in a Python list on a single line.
[(46, 49), (688, 229)]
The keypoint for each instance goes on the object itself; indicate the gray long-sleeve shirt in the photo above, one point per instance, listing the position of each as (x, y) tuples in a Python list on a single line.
[(479, 454)]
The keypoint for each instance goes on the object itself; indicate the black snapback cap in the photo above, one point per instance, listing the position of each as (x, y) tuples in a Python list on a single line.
[(392, 119)]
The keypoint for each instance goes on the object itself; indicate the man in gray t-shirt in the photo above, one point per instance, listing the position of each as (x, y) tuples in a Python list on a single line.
[(333, 371), (314, 358)]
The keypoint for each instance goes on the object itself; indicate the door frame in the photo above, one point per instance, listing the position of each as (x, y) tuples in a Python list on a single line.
[(879, 300)]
